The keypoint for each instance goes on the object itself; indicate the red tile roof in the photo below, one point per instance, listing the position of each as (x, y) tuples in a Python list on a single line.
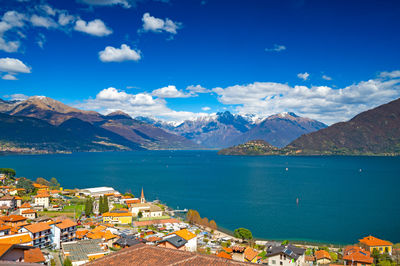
[(66, 223), (250, 253), (35, 228), (223, 254), (322, 254), (34, 255), (13, 218), (357, 254), (372, 241)]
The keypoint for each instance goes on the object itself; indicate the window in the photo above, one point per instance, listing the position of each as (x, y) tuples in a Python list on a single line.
[(281, 263), (273, 262)]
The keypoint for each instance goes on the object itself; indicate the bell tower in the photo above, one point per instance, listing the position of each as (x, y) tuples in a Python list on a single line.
[(142, 199)]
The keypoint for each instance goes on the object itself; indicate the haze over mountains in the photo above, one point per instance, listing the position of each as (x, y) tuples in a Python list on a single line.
[(373, 132), (72, 129)]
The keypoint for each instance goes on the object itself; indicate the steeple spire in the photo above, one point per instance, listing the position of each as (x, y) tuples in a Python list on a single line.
[(142, 199)]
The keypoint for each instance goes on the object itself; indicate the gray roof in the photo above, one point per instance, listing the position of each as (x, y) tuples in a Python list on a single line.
[(289, 250), (127, 241), (79, 250), (175, 240)]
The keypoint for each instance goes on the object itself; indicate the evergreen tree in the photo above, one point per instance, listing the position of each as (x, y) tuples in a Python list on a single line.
[(101, 204), (106, 208)]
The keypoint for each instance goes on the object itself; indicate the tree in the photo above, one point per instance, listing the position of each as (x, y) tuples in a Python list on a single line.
[(334, 256), (204, 222), (129, 194), (376, 255), (54, 183), (285, 242), (27, 184), (213, 224), (243, 234), (105, 202), (101, 204), (67, 262), (42, 181), (9, 172), (140, 214), (89, 207)]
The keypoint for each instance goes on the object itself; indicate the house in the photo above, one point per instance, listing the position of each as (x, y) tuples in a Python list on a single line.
[(370, 243), (97, 191), (29, 214), (8, 202), (21, 239), (24, 207), (40, 187), (18, 199), (4, 229), (81, 252), (223, 254), (153, 211), (14, 220), (191, 239), (117, 217), (42, 199), (238, 253), (127, 241), (141, 254), (357, 256), (173, 242), (20, 253), (288, 255), (40, 234), (250, 255), (63, 231), (322, 257), (135, 208)]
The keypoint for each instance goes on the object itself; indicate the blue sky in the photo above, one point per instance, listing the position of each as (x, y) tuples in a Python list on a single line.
[(327, 60)]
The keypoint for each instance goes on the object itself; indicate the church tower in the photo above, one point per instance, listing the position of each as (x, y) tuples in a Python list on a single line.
[(142, 199)]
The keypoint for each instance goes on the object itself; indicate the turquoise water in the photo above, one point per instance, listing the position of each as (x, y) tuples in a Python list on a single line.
[(338, 202)]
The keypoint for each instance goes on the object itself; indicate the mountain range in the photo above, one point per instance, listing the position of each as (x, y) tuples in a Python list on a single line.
[(373, 132), (65, 128)]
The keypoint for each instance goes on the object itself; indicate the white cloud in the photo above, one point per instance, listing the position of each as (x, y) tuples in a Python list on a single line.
[(393, 74), (10, 20), (95, 27), (9, 77), (46, 22), (154, 24), (323, 103), (325, 77), (197, 89), (17, 96), (12, 65), (41, 39), (206, 108), (48, 10), (9, 46), (65, 19), (276, 48), (124, 3), (141, 104), (170, 92), (14, 19), (303, 76), (125, 53)]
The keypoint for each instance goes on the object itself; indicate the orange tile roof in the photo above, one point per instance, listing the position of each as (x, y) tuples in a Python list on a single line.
[(81, 233), (13, 218), (250, 253), (36, 185), (99, 228), (126, 197), (154, 239), (35, 228), (372, 241), (108, 235), (34, 255), (42, 194), (185, 234), (96, 235), (26, 205), (227, 250), (131, 201), (4, 248), (357, 254), (4, 227), (117, 214), (322, 254), (16, 239), (66, 223), (17, 198), (223, 254), (28, 211)]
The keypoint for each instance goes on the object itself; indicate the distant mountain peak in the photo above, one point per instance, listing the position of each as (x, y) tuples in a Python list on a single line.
[(119, 113)]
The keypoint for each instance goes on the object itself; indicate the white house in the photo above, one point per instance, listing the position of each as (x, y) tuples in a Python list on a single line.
[(63, 231), (97, 191), (286, 255), (190, 237), (40, 234), (42, 199), (152, 211), (8, 202)]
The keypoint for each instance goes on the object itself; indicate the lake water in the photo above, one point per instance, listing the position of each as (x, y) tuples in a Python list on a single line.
[(341, 199)]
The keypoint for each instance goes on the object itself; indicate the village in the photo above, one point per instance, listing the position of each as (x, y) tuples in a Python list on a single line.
[(44, 223)]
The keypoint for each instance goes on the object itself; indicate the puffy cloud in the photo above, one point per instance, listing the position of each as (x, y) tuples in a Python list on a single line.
[(9, 46), (125, 53), (276, 48), (13, 65), (303, 76), (197, 89), (14, 19), (154, 24), (48, 10), (124, 3), (393, 74), (65, 19), (206, 108), (170, 92), (325, 77), (318, 102), (9, 77), (95, 27), (46, 22), (141, 104), (17, 97), (10, 20)]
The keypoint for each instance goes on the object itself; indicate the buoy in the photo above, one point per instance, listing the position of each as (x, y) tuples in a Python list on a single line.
[(287, 169)]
